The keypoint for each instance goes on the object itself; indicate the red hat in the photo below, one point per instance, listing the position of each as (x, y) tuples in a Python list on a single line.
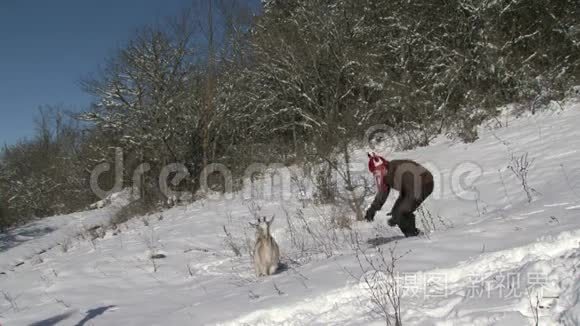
[(376, 162)]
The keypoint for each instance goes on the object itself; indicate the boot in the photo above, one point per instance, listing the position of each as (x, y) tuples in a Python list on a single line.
[(392, 221), (407, 225)]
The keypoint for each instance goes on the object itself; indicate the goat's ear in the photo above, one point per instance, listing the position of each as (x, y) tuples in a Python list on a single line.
[(271, 220), (369, 154), (254, 225)]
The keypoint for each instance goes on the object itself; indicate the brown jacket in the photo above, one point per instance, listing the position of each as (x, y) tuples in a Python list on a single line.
[(408, 177), (412, 180)]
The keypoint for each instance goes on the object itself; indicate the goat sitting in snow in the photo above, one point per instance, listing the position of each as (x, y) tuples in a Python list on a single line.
[(266, 252)]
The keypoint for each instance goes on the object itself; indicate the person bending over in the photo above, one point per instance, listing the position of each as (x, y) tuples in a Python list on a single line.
[(414, 184)]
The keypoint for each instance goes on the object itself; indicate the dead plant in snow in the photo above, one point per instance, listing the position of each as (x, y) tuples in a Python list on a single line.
[(520, 167), (534, 304), (11, 300), (238, 244), (323, 232), (151, 241), (230, 243), (381, 282)]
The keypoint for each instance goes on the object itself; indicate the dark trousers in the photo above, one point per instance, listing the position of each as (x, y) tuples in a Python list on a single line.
[(404, 207), (402, 212)]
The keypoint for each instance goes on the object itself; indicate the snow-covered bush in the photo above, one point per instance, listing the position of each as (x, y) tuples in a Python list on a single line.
[(382, 283), (520, 167), (134, 209), (299, 82)]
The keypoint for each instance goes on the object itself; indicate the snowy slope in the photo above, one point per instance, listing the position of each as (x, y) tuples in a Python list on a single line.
[(22, 243), (489, 252)]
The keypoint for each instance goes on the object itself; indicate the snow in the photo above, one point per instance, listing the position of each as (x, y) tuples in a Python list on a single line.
[(488, 257), (22, 243)]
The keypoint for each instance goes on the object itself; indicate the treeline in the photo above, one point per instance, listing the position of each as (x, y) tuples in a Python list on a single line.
[(299, 81)]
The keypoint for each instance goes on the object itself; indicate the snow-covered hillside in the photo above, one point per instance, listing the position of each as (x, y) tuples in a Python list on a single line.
[(489, 257)]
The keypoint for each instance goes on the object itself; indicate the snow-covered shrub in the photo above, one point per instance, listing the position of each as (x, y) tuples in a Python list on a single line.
[(520, 167), (382, 283), (305, 80), (238, 234), (318, 234), (231, 243), (325, 183), (44, 176), (151, 241), (430, 222), (11, 300), (342, 221), (136, 208), (4, 219), (574, 92), (65, 244)]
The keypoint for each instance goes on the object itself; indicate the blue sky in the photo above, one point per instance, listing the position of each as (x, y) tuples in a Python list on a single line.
[(46, 47)]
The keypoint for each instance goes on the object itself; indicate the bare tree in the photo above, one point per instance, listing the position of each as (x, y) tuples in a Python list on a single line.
[(520, 167), (381, 280)]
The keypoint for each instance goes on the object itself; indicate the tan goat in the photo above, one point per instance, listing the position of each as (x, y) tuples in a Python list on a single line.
[(266, 252)]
